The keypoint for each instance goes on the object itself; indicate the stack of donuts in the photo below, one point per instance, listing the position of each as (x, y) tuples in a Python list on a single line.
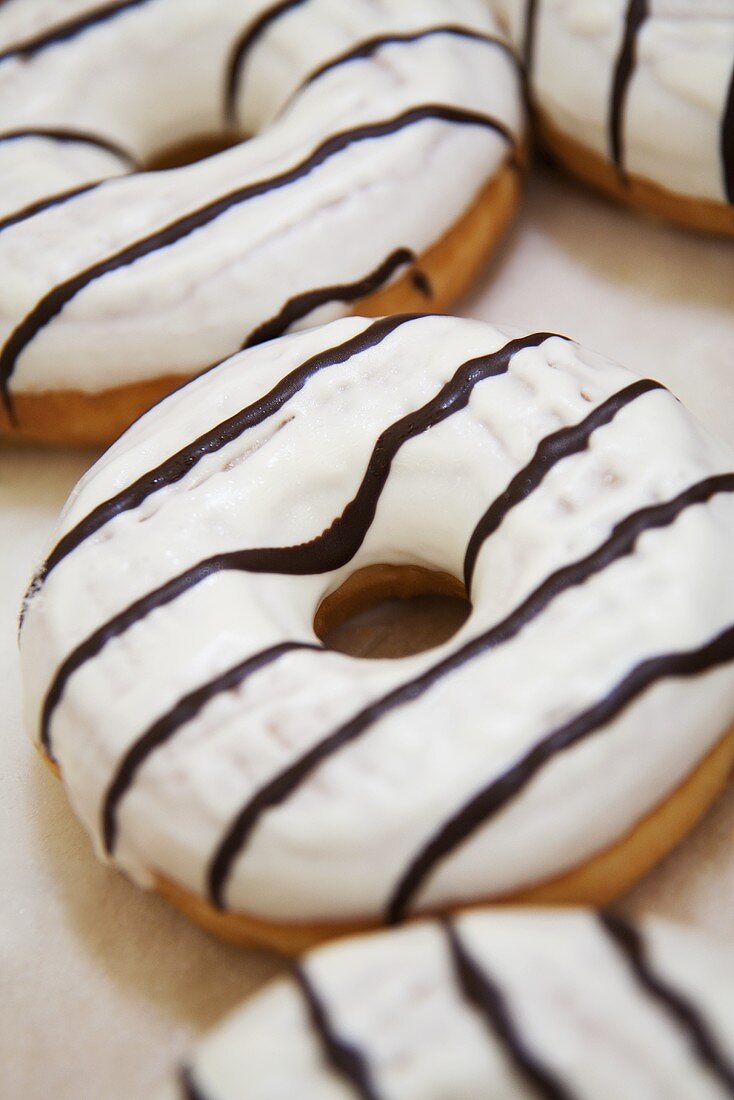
[(308, 433)]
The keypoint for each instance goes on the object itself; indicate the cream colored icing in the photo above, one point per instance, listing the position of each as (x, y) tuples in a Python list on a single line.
[(155, 75), (676, 97), (337, 846), (571, 998)]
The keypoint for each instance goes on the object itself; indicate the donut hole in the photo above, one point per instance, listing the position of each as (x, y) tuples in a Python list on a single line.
[(392, 611), (191, 150)]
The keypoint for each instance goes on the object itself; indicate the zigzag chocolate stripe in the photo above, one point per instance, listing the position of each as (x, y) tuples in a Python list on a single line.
[(241, 51), (637, 13), (620, 543), (727, 142), (329, 551), (173, 469), (343, 1058), (53, 302), (66, 31), (487, 1000), (43, 204), (684, 1014), (303, 304), (75, 137)]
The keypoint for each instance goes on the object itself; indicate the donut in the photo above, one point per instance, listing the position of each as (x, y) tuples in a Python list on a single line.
[(278, 791), (542, 1004), (636, 97), (382, 167)]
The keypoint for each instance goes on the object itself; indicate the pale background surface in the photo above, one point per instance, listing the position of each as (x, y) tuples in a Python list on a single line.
[(102, 988)]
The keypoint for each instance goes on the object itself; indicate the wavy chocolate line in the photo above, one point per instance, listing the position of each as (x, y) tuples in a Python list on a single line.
[(488, 1001), (242, 49), (637, 13), (70, 29), (38, 207), (620, 543), (329, 551), (52, 303), (70, 137), (551, 450), (165, 727), (177, 466), (631, 945), (727, 142), (300, 306), (342, 1057)]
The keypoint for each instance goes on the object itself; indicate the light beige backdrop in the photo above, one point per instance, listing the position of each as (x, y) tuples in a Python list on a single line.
[(102, 988)]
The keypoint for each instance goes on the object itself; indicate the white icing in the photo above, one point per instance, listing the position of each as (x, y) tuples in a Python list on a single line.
[(336, 847), (188, 305), (676, 97), (570, 994)]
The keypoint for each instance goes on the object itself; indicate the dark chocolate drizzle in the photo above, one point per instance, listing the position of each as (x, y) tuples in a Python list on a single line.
[(562, 444), (38, 207), (528, 45), (487, 999), (241, 51), (342, 1057), (323, 554), (190, 1089), (727, 142), (173, 469), (165, 727), (620, 543), (71, 137), (300, 306), (637, 13), (422, 283), (684, 1014), (52, 303), (63, 32)]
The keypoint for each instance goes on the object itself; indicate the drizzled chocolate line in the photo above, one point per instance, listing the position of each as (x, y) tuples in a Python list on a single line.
[(189, 1087), (184, 711), (551, 450), (492, 798), (727, 142), (488, 1001), (65, 31), (241, 51), (528, 45), (52, 303), (43, 204), (71, 137), (637, 13), (300, 306), (630, 943), (621, 542), (341, 1057), (323, 554), (173, 469)]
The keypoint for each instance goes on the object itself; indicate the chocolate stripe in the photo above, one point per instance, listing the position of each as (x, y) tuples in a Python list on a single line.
[(727, 142), (53, 302), (684, 1014), (241, 51), (562, 444), (173, 469), (189, 1088), (303, 304), (70, 137), (343, 1058), (637, 13), (185, 710), (43, 204), (621, 542), (528, 45), (323, 554), (63, 32), (486, 998)]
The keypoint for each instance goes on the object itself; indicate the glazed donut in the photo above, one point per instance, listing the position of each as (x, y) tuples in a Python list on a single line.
[(276, 790), (548, 1005), (381, 171), (637, 98)]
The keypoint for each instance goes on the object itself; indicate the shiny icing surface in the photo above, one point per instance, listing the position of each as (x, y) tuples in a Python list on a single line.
[(352, 106), (647, 84), (562, 1005), (202, 731)]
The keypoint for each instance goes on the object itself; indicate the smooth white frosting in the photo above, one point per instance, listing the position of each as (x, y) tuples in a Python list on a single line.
[(336, 847), (676, 97), (155, 75), (570, 995)]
